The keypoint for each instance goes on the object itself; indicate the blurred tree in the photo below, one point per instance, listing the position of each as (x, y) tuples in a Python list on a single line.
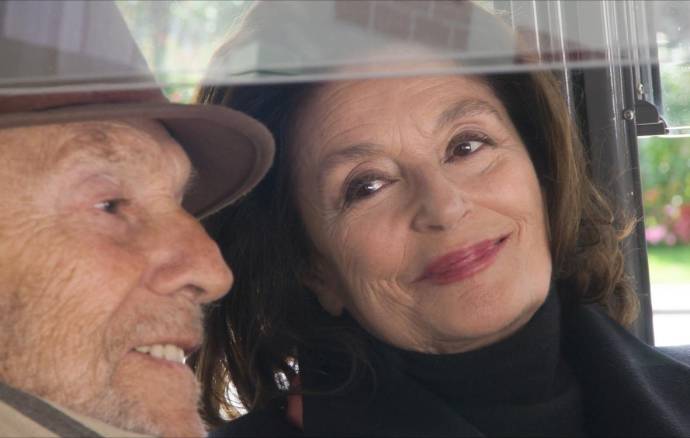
[(665, 172), (178, 38), (675, 89)]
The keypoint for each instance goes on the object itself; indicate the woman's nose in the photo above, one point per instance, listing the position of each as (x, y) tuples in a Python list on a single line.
[(184, 259), (440, 204)]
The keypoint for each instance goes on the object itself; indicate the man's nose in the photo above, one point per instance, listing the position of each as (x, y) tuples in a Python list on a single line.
[(184, 259), (440, 203)]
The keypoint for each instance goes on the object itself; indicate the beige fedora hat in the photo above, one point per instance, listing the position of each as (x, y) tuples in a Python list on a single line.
[(230, 151)]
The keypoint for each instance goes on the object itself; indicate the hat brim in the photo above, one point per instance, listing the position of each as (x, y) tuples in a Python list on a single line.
[(230, 151)]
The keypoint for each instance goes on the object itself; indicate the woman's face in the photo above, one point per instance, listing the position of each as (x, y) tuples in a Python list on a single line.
[(424, 210)]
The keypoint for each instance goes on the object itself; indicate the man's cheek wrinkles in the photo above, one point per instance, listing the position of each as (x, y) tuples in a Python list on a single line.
[(34, 244), (18, 230)]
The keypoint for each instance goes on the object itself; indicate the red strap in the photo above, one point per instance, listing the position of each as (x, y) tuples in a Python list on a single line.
[(294, 412)]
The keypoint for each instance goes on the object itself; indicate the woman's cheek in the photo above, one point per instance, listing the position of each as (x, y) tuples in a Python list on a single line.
[(372, 249)]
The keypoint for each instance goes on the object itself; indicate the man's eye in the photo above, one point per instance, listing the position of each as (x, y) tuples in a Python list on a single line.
[(361, 188), (466, 144), (110, 206)]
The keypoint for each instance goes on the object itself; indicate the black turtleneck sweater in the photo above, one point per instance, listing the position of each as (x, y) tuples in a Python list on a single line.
[(561, 375), (518, 386)]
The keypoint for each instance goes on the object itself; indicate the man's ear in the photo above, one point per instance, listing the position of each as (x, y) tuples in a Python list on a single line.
[(321, 280)]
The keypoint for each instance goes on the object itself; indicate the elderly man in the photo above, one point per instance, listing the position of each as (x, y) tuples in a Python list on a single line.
[(103, 266), (102, 271)]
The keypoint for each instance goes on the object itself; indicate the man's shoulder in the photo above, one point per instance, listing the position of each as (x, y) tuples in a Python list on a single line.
[(261, 422), (24, 415)]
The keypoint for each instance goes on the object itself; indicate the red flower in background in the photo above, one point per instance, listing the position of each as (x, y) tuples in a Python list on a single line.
[(681, 226)]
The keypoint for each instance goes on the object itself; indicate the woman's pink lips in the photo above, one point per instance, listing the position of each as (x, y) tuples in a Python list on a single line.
[(464, 263)]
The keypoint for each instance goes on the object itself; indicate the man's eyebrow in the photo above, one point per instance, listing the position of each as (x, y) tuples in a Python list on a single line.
[(465, 108), (349, 153)]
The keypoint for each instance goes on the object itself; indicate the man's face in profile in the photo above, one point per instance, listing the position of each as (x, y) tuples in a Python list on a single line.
[(102, 273)]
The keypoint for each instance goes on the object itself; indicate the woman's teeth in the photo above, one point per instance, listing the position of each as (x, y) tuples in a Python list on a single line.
[(169, 352)]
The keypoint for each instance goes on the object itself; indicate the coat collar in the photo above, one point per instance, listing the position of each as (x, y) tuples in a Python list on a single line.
[(629, 389), (400, 407)]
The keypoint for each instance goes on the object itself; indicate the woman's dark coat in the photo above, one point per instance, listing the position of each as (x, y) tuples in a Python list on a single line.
[(628, 389)]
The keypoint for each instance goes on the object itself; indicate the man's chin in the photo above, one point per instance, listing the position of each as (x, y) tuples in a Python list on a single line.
[(174, 426), (166, 418), (147, 402), (191, 427)]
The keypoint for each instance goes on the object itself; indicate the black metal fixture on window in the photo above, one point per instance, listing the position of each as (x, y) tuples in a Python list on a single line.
[(647, 119)]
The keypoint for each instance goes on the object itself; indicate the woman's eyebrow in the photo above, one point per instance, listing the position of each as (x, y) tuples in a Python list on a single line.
[(347, 154), (465, 108), (462, 108)]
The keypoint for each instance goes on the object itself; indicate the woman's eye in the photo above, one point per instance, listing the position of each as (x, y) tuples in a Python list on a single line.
[(362, 188), (110, 206), (464, 145)]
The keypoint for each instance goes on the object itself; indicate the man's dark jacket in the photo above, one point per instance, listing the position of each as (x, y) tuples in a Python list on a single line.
[(628, 389)]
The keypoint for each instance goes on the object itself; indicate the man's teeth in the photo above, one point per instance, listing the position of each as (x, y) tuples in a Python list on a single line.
[(169, 352)]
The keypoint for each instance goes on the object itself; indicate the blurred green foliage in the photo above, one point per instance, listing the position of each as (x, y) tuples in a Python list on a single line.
[(675, 90), (665, 165), (665, 173), (178, 38), (669, 264)]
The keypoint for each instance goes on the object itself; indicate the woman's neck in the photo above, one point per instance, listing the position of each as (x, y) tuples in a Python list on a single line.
[(523, 367)]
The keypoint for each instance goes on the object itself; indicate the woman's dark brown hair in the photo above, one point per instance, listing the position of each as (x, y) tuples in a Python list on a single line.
[(257, 330)]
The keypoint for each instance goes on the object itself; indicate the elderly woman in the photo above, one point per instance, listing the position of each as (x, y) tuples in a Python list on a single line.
[(429, 257)]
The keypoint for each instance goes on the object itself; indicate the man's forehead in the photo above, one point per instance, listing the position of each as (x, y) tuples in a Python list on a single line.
[(135, 142), (134, 145), (113, 140)]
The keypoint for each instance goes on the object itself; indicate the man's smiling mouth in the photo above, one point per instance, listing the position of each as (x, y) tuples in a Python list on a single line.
[(169, 352)]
